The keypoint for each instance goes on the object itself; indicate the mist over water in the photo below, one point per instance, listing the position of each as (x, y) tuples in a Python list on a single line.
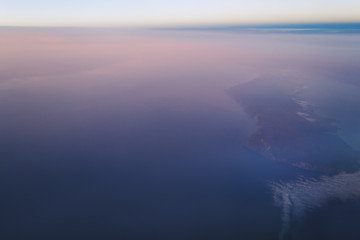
[(114, 134), (296, 198)]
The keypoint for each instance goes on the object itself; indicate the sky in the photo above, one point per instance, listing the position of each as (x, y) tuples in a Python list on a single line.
[(171, 13)]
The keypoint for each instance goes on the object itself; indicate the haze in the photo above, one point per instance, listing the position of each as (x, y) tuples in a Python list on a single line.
[(173, 13)]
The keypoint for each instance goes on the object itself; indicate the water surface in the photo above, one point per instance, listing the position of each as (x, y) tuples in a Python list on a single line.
[(114, 134)]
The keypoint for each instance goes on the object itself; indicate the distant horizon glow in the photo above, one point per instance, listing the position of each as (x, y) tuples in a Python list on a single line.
[(139, 13)]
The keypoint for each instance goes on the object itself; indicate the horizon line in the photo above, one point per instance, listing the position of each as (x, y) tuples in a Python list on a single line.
[(277, 24), (280, 28)]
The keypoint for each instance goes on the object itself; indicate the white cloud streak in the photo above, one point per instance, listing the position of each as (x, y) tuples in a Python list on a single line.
[(298, 197)]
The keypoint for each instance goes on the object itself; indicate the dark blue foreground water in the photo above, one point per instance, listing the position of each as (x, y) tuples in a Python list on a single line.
[(133, 136)]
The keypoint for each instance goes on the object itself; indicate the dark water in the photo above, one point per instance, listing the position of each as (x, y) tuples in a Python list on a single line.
[(108, 134)]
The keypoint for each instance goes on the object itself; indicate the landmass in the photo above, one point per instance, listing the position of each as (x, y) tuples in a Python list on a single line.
[(289, 130)]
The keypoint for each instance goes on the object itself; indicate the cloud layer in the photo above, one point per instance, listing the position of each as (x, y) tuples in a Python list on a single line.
[(301, 196)]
